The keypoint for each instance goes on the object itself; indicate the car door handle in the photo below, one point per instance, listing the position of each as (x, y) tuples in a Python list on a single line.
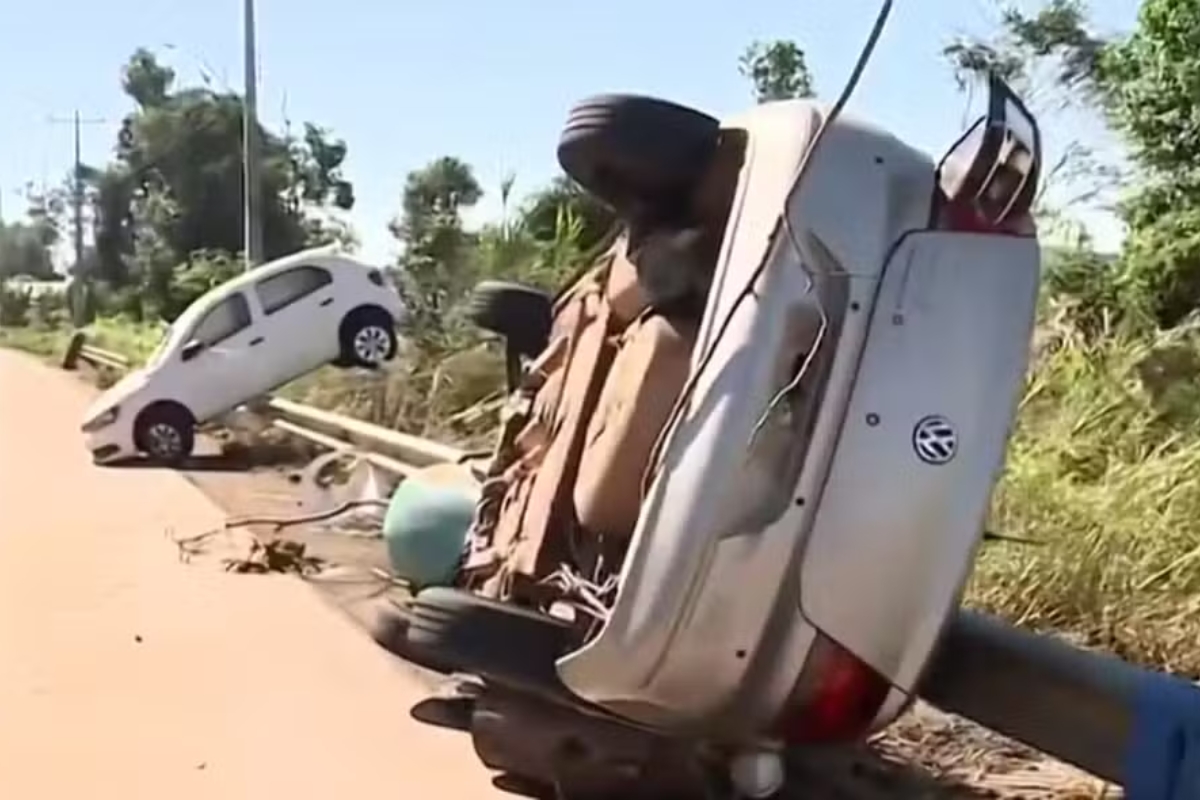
[(256, 340), (326, 301)]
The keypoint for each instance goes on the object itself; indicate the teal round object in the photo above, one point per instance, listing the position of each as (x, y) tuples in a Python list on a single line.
[(425, 530)]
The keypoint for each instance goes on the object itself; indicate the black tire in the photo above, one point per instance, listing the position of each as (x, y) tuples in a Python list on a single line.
[(367, 338), (388, 626), (165, 433), (521, 314), (509, 645), (638, 154), (521, 786)]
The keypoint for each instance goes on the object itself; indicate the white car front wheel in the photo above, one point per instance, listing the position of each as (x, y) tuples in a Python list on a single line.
[(165, 433)]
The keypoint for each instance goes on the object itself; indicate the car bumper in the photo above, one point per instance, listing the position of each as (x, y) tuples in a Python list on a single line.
[(106, 448)]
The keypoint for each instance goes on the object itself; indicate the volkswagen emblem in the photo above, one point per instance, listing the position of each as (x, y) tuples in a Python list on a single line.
[(934, 440)]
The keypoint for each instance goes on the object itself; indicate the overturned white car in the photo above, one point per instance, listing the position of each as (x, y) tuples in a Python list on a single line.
[(750, 452), (239, 341)]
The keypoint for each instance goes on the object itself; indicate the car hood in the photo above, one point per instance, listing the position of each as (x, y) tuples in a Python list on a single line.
[(116, 394)]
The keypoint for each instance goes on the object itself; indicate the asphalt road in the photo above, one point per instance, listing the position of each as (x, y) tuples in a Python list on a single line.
[(125, 673)]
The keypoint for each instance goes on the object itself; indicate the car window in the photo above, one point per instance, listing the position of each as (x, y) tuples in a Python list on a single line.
[(280, 291), (225, 319)]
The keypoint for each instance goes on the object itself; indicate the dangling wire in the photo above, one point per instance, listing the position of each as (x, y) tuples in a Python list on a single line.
[(835, 111)]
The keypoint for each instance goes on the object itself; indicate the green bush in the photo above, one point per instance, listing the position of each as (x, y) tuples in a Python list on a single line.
[(50, 310), (15, 304)]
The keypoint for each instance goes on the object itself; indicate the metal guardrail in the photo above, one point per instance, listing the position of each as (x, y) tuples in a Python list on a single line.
[(405, 448), (1132, 726), (392, 451)]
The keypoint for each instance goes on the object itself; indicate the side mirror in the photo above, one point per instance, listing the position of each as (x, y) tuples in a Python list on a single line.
[(192, 349)]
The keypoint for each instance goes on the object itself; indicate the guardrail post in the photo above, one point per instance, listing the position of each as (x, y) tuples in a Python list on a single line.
[(74, 348)]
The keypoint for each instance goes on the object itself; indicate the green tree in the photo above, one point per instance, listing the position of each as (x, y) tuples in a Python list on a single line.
[(542, 211), (1038, 53), (1150, 81), (778, 70), (436, 266), (175, 185), (24, 251)]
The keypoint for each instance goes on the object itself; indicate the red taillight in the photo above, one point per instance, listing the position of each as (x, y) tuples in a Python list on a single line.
[(838, 698), (966, 218)]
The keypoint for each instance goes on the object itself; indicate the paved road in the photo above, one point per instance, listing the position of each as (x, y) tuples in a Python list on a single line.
[(124, 673)]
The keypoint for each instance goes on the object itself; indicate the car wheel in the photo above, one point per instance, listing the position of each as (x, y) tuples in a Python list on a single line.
[(521, 314), (504, 643), (639, 155), (165, 433), (368, 338)]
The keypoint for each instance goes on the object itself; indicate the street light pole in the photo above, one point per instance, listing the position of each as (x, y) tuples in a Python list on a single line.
[(250, 144)]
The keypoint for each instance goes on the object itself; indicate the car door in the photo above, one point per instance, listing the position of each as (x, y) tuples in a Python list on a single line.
[(299, 321), (218, 366)]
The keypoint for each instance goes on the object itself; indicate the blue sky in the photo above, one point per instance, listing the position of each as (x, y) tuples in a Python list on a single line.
[(483, 80)]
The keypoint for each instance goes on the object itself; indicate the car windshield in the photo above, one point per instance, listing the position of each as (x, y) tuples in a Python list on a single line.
[(162, 347)]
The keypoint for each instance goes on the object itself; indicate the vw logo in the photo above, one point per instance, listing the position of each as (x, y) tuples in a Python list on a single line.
[(934, 440)]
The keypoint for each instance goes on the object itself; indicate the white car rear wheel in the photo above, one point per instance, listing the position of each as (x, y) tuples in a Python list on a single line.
[(372, 344), (368, 338)]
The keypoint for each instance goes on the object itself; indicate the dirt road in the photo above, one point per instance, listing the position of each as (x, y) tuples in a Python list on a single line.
[(124, 673)]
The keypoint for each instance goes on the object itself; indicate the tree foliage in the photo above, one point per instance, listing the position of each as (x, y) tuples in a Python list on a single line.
[(1056, 36), (174, 188), (25, 251), (1150, 81), (434, 268), (777, 70)]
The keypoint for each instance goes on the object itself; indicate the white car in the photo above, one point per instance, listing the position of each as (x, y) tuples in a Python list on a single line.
[(241, 340)]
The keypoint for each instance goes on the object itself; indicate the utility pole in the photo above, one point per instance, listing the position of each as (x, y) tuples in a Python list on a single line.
[(79, 289), (77, 123), (250, 144)]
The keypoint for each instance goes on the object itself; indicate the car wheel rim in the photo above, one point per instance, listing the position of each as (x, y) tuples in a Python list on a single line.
[(371, 344), (164, 440)]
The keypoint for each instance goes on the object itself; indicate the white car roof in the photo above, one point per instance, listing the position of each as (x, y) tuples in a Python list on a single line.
[(325, 256), (328, 256)]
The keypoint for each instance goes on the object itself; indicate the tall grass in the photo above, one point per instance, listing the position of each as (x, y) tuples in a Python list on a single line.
[(1104, 473)]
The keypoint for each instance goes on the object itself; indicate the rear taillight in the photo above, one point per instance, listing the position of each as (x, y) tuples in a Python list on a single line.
[(837, 698), (966, 218), (376, 277)]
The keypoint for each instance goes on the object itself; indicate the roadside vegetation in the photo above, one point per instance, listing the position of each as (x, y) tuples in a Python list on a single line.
[(1104, 469)]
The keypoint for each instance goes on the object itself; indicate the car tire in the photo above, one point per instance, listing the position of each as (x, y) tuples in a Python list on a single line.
[(367, 338), (640, 155), (507, 644), (521, 314), (165, 433)]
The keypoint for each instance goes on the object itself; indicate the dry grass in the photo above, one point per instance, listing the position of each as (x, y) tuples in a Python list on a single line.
[(445, 398), (1104, 471)]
